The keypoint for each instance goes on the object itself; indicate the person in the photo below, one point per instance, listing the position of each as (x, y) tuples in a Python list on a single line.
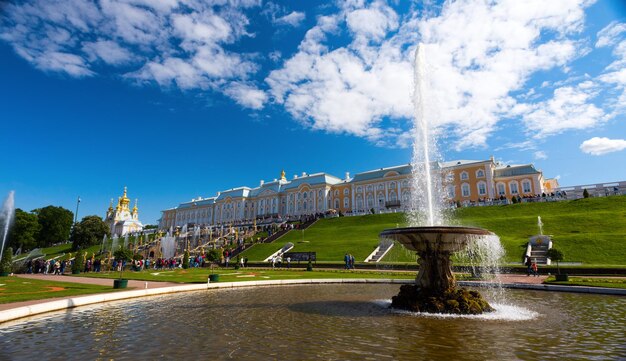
[(351, 261), (528, 266), (534, 268), (245, 262), (242, 262), (273, 262), (346, 260), (288, 262)]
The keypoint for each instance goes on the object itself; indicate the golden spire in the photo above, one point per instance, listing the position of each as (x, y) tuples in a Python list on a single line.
[(282, 175), (135, 207), (124, 201), (111, 206)]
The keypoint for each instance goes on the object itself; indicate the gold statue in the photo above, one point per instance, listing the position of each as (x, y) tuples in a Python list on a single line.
[(282, 175)]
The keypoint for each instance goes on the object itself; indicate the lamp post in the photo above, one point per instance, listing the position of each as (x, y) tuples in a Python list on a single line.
[(76, 214)]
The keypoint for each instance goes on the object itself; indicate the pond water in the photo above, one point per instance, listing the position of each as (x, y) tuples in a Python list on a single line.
[(327, 322)]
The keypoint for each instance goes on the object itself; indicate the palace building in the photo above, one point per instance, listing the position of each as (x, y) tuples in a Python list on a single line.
[(384, 189), (122, 220)]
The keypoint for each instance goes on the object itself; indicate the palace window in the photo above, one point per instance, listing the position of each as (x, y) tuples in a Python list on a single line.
[(451, 192), (392, 196), (345, 203), (336, 203), (482, 188), (465, 190), (526, 186), (370, 201), (405, 184), (480, 173), (464, 175), (359, 203), (346, 191), (501, 189), (513, 187), (336, 192), (304, 195), (359, 189), (381, 187), (319, 193), (369, 188)]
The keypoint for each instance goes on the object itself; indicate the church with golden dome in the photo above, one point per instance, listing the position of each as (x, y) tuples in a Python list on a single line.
[(121, 219)]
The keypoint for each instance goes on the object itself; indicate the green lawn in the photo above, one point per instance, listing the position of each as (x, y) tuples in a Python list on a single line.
[(200, 275), (332, 238), (15, 289), (591, 231), (591, 282)]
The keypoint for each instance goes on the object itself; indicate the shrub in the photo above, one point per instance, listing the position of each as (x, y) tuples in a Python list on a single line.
[(79, 261), (555, 255), (585, 193), (6, 263), (186, 259)]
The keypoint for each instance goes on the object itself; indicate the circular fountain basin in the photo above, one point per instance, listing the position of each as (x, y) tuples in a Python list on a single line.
[(434, 238)]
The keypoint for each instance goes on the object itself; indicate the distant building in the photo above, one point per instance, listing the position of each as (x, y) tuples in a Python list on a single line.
[(122, 220), (464, 181)]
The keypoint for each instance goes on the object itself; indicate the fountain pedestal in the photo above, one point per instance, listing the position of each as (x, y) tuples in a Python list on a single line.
[(435, 288)]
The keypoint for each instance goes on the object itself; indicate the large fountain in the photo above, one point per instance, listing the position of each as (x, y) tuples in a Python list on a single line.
[(435, 289)]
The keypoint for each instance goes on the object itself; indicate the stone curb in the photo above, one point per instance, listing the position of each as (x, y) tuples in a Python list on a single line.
[(554, 288), (36, 309)]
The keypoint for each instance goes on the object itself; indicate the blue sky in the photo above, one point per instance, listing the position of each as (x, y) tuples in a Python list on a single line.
[(179, 99)]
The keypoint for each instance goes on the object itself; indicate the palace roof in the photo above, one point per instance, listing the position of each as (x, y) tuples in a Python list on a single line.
[(379, 173)]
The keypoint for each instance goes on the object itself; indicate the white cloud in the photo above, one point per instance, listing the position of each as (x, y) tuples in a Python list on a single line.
[(169, 42), (610, 34), (109, 51), (295, 18), (478, 53), (570, 108), (247, 95), (540, 155), (601, 145)]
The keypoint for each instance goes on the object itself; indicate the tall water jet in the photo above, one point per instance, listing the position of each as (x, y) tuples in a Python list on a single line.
[(540, 225), (6, 216), (168, 245), (435, 287), (426, 195)]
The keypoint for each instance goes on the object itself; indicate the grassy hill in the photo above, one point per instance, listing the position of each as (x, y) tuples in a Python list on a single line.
[(591, 231)]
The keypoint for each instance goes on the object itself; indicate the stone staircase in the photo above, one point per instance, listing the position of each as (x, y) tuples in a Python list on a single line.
[(538, 253), (379, 252)]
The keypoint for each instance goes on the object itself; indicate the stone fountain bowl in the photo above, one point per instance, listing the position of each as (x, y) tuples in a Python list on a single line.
[(435, 238)]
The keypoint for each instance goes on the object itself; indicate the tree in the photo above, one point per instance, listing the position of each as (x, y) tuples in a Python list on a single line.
[(55, 222), (122, 255), (186, 259), (555, 255), (24, 231), (585, 193), (6, 263), (79, 262), (89, 232)]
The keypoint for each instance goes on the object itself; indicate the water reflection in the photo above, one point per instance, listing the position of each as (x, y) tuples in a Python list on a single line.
[(318, 322)]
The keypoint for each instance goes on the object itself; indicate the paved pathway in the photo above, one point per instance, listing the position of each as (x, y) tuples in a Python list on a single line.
[(132, 284)]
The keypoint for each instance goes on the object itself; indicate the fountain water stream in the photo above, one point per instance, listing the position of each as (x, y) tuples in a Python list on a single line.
[(435, 289), (6, 215)]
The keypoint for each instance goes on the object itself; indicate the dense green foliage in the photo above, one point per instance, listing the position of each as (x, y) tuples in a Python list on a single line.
[(589, 230), (56, 223), (89, 232), (24, 231), (79, 261), (186, 259), (6, 261)]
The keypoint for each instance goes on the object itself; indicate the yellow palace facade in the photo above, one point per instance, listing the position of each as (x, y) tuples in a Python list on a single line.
[(380, 190)]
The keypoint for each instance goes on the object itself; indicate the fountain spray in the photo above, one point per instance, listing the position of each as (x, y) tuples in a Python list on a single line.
[(6, 215)]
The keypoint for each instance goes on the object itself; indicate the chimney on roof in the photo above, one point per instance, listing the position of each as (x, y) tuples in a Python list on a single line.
[(347, 175), (295, 176), (304, 174), (262, 181)]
